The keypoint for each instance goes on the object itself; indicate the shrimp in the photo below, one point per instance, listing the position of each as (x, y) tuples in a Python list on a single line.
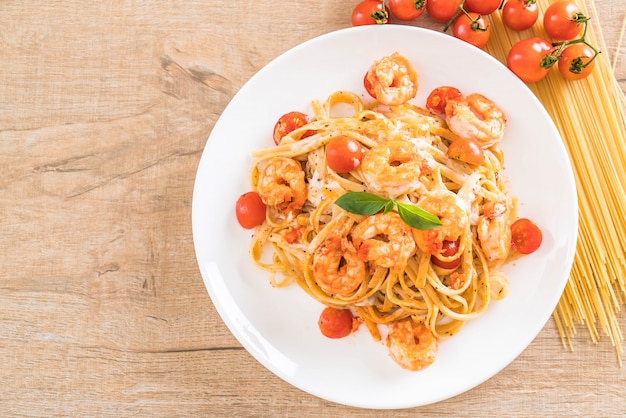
[(383, 238), (281, 185), (452, 213), (476, 117), (494, 230), (392, 80), (336, 267), (393, 167), (412, 345)]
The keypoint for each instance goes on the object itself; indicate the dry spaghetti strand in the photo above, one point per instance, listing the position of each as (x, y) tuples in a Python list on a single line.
[(590, 117)]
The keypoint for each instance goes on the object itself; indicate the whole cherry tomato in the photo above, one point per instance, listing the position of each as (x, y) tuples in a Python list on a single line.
[(519, 15), (344, 153), (407, 9), (483, 7), (466, 150), (576, 61), (442, 10), (526, 237), (563, 20), (370, 12), (336, 323), (250, 210), (472, 28), (525, 59)]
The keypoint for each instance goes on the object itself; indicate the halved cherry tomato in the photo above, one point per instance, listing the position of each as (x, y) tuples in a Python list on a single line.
[(519, 15), (336, 323), (526, 237), (439, 97), (525, 58), (483, 7), (407, 9), (448, 249), (368, 86), (250, 210), (466, 150), (290, 122), (344, 153), (472, 28), (370, 12), (575, 62), (562, 20), (442, 10)]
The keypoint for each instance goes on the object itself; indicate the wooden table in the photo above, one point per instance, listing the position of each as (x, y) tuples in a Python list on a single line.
[(105, 108)]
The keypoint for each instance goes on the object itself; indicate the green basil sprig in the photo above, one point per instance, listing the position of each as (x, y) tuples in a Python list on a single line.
[(364, 203)]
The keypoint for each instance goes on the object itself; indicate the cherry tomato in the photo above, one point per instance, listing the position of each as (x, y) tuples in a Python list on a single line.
[(250, 210), (472, 28), (466, 150), (562, 20), (343, 153), (448, 249), (289, 122), (407, 9), (438, 98), (442, 10), (336, 323), (483, 7), (575, 62), (525, 58), (519, 15), (368, 86), (370, 12), (526, 237)]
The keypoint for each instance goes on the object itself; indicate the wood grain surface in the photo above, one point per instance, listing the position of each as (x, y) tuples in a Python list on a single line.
[(105, 108)]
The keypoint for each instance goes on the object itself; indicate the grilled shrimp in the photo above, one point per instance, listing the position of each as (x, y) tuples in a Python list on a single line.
[(494, 230), (452, 213), (281, 185), (393, 167), (476, 117), (412, 345), (392, 80), (337, 268), (384, 239)]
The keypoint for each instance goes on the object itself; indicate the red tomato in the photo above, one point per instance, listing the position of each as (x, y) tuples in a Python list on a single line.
[(449, 249), (483, 7), (370, 12), (343, 153), (520, 15), (289, 122), (442, 10), (368, 86), (526, 237), (525, 59), (466, 150), (336, 323), (472, 28), (250, 210), (576, 62), (438, 98), (407, 9), (563, 20)]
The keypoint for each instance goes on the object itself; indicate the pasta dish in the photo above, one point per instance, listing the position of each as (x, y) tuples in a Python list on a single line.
[(394, 215)]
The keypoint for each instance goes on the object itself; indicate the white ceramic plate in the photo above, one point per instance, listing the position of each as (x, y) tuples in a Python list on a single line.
[(279, 326)]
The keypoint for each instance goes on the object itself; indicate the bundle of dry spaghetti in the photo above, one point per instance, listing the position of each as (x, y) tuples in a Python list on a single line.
[(590, 115)]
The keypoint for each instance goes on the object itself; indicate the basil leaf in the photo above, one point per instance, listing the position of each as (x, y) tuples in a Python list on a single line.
[(417, 217), (361, 203)]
